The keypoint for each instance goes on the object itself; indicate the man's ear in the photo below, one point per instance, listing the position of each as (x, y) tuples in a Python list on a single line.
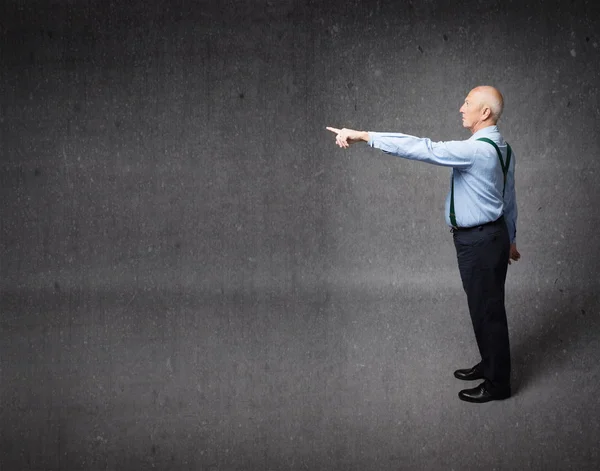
[(487, 112)]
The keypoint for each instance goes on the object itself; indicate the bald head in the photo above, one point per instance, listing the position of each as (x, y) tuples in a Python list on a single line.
[(492, 98), (483, 107)]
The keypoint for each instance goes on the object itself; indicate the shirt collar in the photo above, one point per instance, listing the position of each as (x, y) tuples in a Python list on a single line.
[(484, 132)]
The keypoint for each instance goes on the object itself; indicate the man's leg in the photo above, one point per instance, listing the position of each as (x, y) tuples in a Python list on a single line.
[(483, 261)]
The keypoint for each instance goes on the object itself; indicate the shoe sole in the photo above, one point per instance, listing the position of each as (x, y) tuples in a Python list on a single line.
[(474, 378), (479, 401)]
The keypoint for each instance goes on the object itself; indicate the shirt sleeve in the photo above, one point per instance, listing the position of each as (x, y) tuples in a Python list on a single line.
[(510, 202), (456, 154)]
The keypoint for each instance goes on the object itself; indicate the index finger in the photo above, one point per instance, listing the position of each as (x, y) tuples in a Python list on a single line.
[(335, 130)]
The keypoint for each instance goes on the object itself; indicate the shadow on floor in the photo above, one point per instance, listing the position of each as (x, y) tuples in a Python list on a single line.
[(546, 341)]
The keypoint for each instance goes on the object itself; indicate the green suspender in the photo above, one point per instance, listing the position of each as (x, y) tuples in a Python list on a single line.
[(504, 171), (508, 155), (452, 214)]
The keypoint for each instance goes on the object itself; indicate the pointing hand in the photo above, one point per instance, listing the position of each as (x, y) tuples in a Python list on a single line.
[(346, 137)]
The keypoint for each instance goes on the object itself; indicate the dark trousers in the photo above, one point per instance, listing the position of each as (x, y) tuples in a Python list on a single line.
[(482, 254)]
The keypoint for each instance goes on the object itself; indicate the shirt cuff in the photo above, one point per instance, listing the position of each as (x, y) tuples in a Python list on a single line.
[(371, 141)]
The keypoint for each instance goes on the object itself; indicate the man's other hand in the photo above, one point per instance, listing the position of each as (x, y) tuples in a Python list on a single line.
[(514, 253), (346, 137)]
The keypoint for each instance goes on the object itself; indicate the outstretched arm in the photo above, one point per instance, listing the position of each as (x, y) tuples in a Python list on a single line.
[(457, 154)]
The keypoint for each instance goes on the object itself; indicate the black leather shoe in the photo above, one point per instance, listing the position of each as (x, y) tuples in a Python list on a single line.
[(482, 394), (471, 374)]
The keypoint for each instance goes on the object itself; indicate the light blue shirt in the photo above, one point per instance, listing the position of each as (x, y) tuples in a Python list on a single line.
[(478, 177)]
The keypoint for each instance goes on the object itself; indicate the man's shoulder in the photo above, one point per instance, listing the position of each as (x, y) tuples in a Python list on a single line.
[(492, 133)]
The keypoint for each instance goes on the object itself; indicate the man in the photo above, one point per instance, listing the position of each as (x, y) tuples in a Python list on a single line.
[(482, 212)]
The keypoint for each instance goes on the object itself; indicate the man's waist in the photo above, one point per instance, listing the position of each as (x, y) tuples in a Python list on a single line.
[(478, 227)]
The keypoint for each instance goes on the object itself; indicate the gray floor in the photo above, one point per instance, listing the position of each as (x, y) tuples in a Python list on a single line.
[(322, 379)]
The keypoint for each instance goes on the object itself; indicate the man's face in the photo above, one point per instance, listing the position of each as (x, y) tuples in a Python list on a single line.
[(471, 110)]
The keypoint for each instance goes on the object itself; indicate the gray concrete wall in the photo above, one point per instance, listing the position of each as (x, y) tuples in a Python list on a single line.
[(146, 139), (170, 196)]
